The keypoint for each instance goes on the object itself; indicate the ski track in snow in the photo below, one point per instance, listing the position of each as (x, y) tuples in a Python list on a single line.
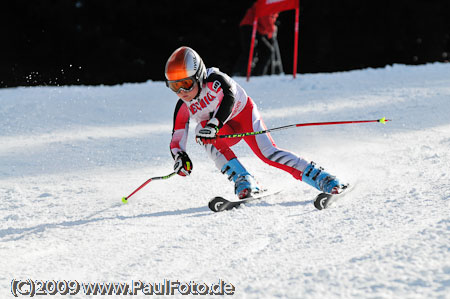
[(68, 155)]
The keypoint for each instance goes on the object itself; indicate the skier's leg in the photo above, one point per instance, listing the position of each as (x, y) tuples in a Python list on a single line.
[(265, 148), (227, 162), (245, 183), (263, 145)]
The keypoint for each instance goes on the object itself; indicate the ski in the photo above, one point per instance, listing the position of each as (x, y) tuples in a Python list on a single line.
[(321, 201), (325, 200), (219, 204)]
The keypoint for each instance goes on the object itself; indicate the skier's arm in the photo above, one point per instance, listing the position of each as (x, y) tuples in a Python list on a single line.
[(183, 165), (226, 105), (219, 84), (180, 129)]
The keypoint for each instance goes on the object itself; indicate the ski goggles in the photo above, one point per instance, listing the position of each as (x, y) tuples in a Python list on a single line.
[(186, 84)]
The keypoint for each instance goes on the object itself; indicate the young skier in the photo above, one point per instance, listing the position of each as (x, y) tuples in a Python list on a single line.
[(219, 105)]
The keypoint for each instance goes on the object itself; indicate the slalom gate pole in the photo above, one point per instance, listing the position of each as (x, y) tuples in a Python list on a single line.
[(239, 135), (125, 199)]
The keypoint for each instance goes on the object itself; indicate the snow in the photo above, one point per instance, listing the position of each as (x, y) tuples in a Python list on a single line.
[(69, 154)]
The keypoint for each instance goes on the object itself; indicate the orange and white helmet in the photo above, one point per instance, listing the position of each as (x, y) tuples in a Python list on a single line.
[(183, 68)]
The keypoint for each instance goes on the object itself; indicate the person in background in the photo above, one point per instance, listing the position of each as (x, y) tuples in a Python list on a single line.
[(264, 49), (220, 105)]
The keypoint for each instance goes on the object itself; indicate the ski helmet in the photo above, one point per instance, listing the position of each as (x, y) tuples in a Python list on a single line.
[(182, 68)]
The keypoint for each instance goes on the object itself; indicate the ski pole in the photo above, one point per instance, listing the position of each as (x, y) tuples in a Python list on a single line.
[(125, 199), (238, 135)]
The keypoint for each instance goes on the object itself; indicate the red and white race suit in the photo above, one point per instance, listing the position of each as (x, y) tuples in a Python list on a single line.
[(222, 98)]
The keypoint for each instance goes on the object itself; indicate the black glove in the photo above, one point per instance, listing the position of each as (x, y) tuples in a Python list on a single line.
[(183, 165), (208, 134)]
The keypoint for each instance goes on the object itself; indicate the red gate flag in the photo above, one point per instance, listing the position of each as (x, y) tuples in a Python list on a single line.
[(268, 7)]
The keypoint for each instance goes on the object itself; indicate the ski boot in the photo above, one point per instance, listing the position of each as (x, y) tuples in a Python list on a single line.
[(244, 184), (321, 180)]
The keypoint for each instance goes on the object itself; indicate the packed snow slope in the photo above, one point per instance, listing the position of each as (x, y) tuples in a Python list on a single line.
[(69, 154)]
